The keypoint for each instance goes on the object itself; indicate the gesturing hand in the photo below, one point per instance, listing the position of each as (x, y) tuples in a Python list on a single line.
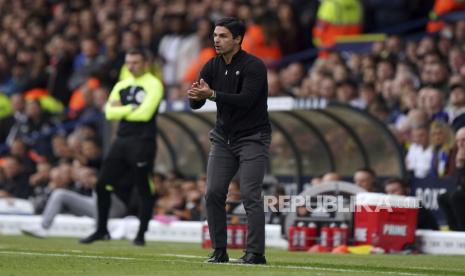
[(199, 91)]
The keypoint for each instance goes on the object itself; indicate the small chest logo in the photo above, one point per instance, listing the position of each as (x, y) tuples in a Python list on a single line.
[(237, 73), (140, 95), (132, 95)]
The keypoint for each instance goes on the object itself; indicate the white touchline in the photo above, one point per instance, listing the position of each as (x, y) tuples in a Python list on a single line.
[(293, 267), (181, 256), (65, 255)]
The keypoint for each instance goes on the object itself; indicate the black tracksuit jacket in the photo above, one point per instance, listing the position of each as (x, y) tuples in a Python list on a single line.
[(241, 95)]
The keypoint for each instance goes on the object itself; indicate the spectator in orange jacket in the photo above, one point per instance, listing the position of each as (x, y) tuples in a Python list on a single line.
[(440, 8)]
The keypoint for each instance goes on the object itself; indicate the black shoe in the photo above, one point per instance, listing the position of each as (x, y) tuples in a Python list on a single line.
[(251, 258), (139, 241), (219, 256), (96, 236)]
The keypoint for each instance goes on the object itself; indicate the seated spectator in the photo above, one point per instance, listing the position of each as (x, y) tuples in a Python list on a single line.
[(194, 207), (172, 203), (434, 72), (47, 179), (433, 103), (420, 154), (73, 203), (274, 84), (60, 148), (327, 89), (346, 92), (35, 130), (91, 154), (379, 110), (291, 77), (392, 100), (14, 179), (456, 105), (441, 142), (330, 177), (20, 150), (425, 219), (366, 178), (88, 62), (39, 182), (74, 143), (193, 199), (367, 96), (456, 108)]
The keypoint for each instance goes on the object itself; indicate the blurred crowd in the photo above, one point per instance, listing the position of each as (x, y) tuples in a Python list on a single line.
[(59, 59)]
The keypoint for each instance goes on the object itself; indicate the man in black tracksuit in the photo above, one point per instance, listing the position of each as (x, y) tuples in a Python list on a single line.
[(237, 82), (134, 102)]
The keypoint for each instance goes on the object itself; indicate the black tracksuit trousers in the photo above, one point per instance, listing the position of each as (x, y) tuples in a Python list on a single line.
[(133, 155)]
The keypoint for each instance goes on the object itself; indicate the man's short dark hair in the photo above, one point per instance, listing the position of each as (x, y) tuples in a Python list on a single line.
[(403, 184), (367, 170), (457, 85), (139, 51), (399, 181), (234, 25)]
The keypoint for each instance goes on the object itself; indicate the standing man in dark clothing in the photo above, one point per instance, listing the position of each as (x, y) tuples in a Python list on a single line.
[(453, 203), (237, 82), (133, 101)]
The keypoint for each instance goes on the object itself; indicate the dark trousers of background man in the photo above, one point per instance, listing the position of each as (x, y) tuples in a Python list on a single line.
[(453, 206), (127, 155), (250, 156)]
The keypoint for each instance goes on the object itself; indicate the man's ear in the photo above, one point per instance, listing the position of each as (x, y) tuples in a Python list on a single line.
[(238, 39)]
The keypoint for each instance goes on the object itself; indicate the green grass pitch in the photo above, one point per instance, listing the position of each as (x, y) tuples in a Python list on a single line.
[(20, 255)]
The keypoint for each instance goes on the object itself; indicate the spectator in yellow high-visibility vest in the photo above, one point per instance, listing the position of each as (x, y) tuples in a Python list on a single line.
[(336, 18), (5, 106)]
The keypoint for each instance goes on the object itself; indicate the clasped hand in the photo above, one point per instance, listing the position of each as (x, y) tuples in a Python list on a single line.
[(199, 91)]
